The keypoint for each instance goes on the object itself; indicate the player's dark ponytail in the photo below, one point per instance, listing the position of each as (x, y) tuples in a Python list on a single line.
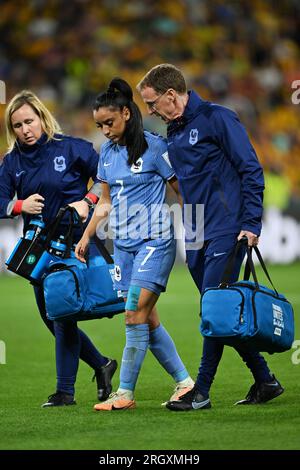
[(118, 95)]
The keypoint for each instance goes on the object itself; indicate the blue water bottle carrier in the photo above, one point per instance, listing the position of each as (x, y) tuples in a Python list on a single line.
[(39, 246)]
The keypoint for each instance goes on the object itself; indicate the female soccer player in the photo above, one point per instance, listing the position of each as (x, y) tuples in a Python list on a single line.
[(133, 169)]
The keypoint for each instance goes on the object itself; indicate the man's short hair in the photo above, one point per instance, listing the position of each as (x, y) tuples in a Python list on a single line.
[(162, 77)]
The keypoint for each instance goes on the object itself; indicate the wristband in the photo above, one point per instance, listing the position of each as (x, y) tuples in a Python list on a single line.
[(17, 208), (89, 202), (92, 197)]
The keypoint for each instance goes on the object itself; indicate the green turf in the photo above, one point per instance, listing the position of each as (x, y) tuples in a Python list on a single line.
[(28, 377)]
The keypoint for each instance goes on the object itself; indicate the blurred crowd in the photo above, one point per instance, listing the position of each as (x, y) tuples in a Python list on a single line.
[(242, 54)]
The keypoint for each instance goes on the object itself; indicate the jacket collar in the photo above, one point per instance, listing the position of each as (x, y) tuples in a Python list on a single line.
[(31, 149), (192, 109)]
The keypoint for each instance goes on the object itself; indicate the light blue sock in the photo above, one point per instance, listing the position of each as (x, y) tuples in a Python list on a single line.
[(137, 341), (163, 348)]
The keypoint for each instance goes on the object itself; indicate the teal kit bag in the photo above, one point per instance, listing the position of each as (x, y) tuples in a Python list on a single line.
[(77, 291), (246, 312)]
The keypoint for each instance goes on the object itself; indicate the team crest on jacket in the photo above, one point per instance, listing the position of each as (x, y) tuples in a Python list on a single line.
[(59, 163), (138, 166), (193, 136), (118, 275)]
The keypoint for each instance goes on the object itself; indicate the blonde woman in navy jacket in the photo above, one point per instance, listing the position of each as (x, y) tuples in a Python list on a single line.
[(48, 170)]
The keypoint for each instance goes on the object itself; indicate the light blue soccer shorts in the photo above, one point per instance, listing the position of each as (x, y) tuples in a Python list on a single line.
[(149, 266)]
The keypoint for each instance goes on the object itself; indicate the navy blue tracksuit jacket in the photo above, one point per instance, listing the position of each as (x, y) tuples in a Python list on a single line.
[(217, 166), (58, 170)]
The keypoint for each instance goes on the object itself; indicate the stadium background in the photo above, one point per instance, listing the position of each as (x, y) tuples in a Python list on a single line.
[(242, 54)]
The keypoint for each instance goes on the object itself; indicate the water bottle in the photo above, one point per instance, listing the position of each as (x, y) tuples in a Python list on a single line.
[(58, 247), (34, 228)]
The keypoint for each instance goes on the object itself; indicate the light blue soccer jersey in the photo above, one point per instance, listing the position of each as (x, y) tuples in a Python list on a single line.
[(137, 191)]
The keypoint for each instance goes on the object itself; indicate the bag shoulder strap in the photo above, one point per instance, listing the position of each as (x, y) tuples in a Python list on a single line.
[(103, 250), (226, 277), (51, 228), (250, 268)]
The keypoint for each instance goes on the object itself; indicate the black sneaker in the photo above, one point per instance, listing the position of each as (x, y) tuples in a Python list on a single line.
[(103, 377), (192, 400), (59, 399), (261, 393)]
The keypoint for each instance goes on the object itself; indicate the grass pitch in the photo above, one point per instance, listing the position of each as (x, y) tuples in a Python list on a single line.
[(28, 377)]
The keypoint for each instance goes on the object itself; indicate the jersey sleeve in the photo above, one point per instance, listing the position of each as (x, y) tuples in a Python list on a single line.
[(101, 173), (162, 161)]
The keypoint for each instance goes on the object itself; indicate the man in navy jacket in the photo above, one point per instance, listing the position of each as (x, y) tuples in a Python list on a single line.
[(216, 167)]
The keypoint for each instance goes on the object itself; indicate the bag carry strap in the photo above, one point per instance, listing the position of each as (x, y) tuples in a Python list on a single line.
[(74, 220), (103, 250), (250, 268), (226, 277)]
